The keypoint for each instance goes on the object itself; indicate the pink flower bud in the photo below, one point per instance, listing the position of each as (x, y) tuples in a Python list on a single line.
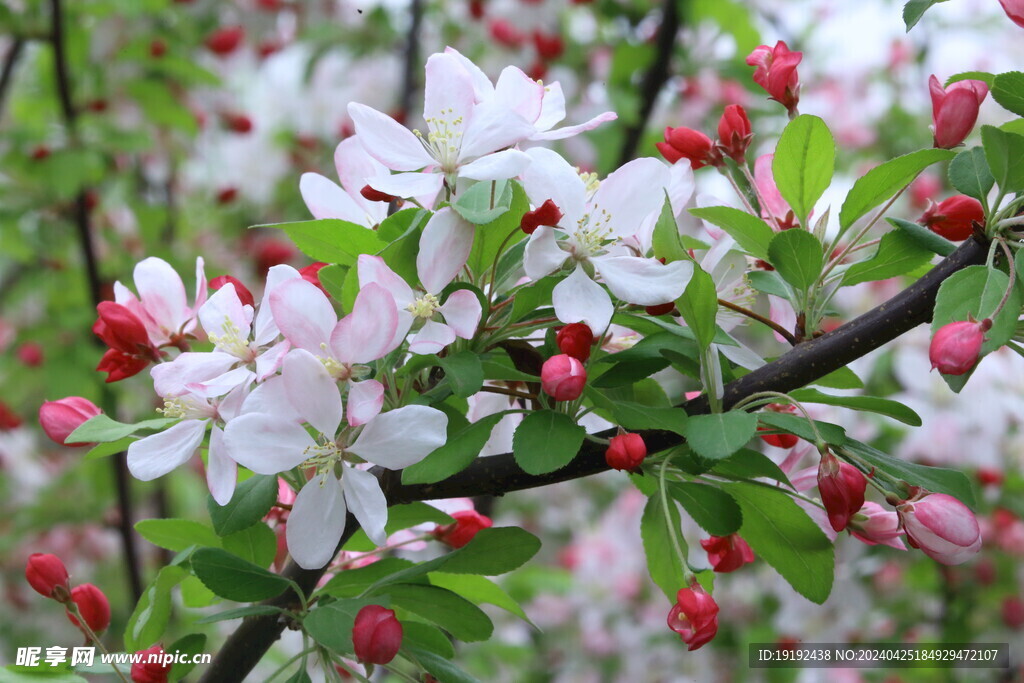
[(48, 576), (92, 605), (119, 328), (241, 291), (505, 34), (151, 672), (372, 195), (1015, 10), (686, 143), (694, 616), (59, 418), (563, 377), (225, 40), (875, 525), (842, 490), (376, 635), (956, 346), (727, 553), (955, 109), (8, 418), (465, 527), (1013, 612), (625, 452), (547, 213), (30, 354), (734, 133), (575, 339), (549, 45), (237, 123), (953, 218), (941, 526), (779, 440), (776, 73)]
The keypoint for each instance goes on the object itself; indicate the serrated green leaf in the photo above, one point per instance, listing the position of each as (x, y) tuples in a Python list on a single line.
[(1008, 91), (665, 241), (256, 544), (871, 404), (399, 517), (636, 416), (440, 668), (440, 606), (983, 76), (331, 240), (239, 613), (1005, 155), (485, 201), (233, 578), (422, 636), (479, 590), (843, 378), (103, 450), (969, 173), (464, 372), (803, 164), (797, 256), (976, 291), (798, 424), (699, 306), (191, 644), (885, 180), (490, 236), (102, 429), (151, 614), (176, 534), (897, 254), (936, 479), (748, 464), (251, 501), (663, 564), (711, 508), (546, 441), (750, 232), (332, 278), (331, 624), (455, 455), (719, 435), (492, 551), (924, 237), (915, 9)]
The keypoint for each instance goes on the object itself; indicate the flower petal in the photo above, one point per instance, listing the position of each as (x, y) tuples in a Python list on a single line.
[(325, 199), (312, 391), (270, 398), (492, 127), (549, 176), (266, 444), (269, 361), (629, 194), (190, 367), (577, 298), (304, 315), (162, 293), (448, 98), (570, 131), (368, 332), (388, 141), (373, 269), (354, 165), (462, 312), (644, 281), (431, 338), (364, 401), (316, 522), (543, 256), (482, 87), (444, 249), (411, 184), (519, 93), (367, 502), (266, 327), (507, 163), (158, 454), (223, 315), (400, 438), (221, 471)]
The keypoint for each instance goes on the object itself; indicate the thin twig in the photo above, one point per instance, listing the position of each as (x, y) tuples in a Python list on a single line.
[(7, 71), (783, 332)]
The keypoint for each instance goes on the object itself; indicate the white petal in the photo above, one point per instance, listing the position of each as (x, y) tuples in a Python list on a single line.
[(266, 328), (431, 338), (171, 379), (448, 98), (644, 281), (569, 131), (269, 361), (507, 163), (266, 444), (364, 401), (368, 332), (549, 176), (158, 454), (482, 86), (412, 184), (462, 312), (444, 249), (388, 141), (316, 523), (543, 256), (373, 269), (270, 398), (222, 384), (312, 391), (325, 199), (552, 108), (627, 196), (577, 298), (367, 502), (162, 293), (224, 315), (221, 471), (492, 127), (741, 355), (354, 165), (519, 93), (304, 315), (400, 438)]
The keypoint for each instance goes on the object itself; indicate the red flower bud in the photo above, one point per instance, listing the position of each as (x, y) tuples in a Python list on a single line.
[(955, 109), (31, 354), (686, 143), (549, 46), (237, 123), (779, 440), (734, 133), (92, 605), (1014, 10), (227, 195), (625, 452), (59, 418), (146, 671), (476, 9), (562, 377), (372, 195), (660, 309), (225, 40), (955, 347), (727, 553), (119, 328), (842, 490), (243, 293), (48, 576), (119, 365), (694, 616), (465, 527), (272, 252), (505, 34), (157, 48), (575, 339), (941, 526), (8, 418), (311, 274), (776, 73), (953, 218), (547, 213), (1013, 612), (376, 635)]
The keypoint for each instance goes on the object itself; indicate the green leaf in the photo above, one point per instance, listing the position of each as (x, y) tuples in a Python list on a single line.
[(233, 578), (976, 291), (149, 619), (451, 612), (798, 424), (769, 282), (331, 624), (915, 9), (699, 306), (479, 590), (352, 582), (711, 508), (804, 162), (636, 416), (101, 429), (1008, 91), (663, 563), (720, 435), (464, 373), (426, 637), (484, 202), (897, 254), (797, 256), (1005, 154), (546, 441), (399, 517), (489, 237), (665, 240), (871, 404), (440, 668), (529, 299), (750, 232), (969, 173), (885, 180), (256, 544), (161, 106), (240, 613), (455, 455), (492, 551), (843, 378), (983, 76), (102, 450), (331, 240), (924, 237), (191, 644), (176, 534), (782, 534), (403, 231), (936, 479), (252, 500), (747, 463), (333, 280)]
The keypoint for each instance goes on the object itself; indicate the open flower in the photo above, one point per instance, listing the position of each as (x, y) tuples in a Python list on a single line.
[(325, 199), (162, 304)]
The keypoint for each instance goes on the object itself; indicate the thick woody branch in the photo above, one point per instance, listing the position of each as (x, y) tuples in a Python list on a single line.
[(499, 474)]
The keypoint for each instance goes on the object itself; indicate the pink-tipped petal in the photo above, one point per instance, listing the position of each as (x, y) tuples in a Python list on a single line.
[(549, 176), (325, 199), (266, 328), (431, 338), (570, 131), (400, 438), (507, 163), (367, 502), (388, 141), (577, 298), (221, 471), (162, 294), (630, 194), (369, 331), (444, 249), (373, 269), (364, 401), (316, 522), (312, 391), (644, 281), (543, 256), (304, 315), (158, 454), (462, 312)]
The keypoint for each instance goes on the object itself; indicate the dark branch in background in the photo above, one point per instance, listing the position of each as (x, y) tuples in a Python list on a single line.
[(654, 79), (412, 58), (85, 240), (499, 474), (7, 71)]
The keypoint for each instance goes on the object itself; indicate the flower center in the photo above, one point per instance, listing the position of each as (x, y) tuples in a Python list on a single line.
[(591, 235), (232, 341), (186, 407), (424, 307), (323, 457), (444, 139)]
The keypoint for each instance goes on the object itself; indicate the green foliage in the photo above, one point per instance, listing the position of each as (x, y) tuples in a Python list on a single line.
[(719, 435), (663, 563), (712, 508), (666, 240), (251, 501), (750, 232), (463, 372), (969, 173), (455, 455), (1008, 91), (635, 417), (915, 9), (872, 404), (176, 534), (331, 240), (935, 479), (1005, 155), (699, 306), (923, 237), (898, 254), (490, 236), (804, 162), (798, 257), (546, 441), (102, 429), (231, 577), (149, 619)]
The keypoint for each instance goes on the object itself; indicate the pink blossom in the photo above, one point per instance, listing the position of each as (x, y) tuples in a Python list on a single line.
[(941, 526), (955, 109)]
